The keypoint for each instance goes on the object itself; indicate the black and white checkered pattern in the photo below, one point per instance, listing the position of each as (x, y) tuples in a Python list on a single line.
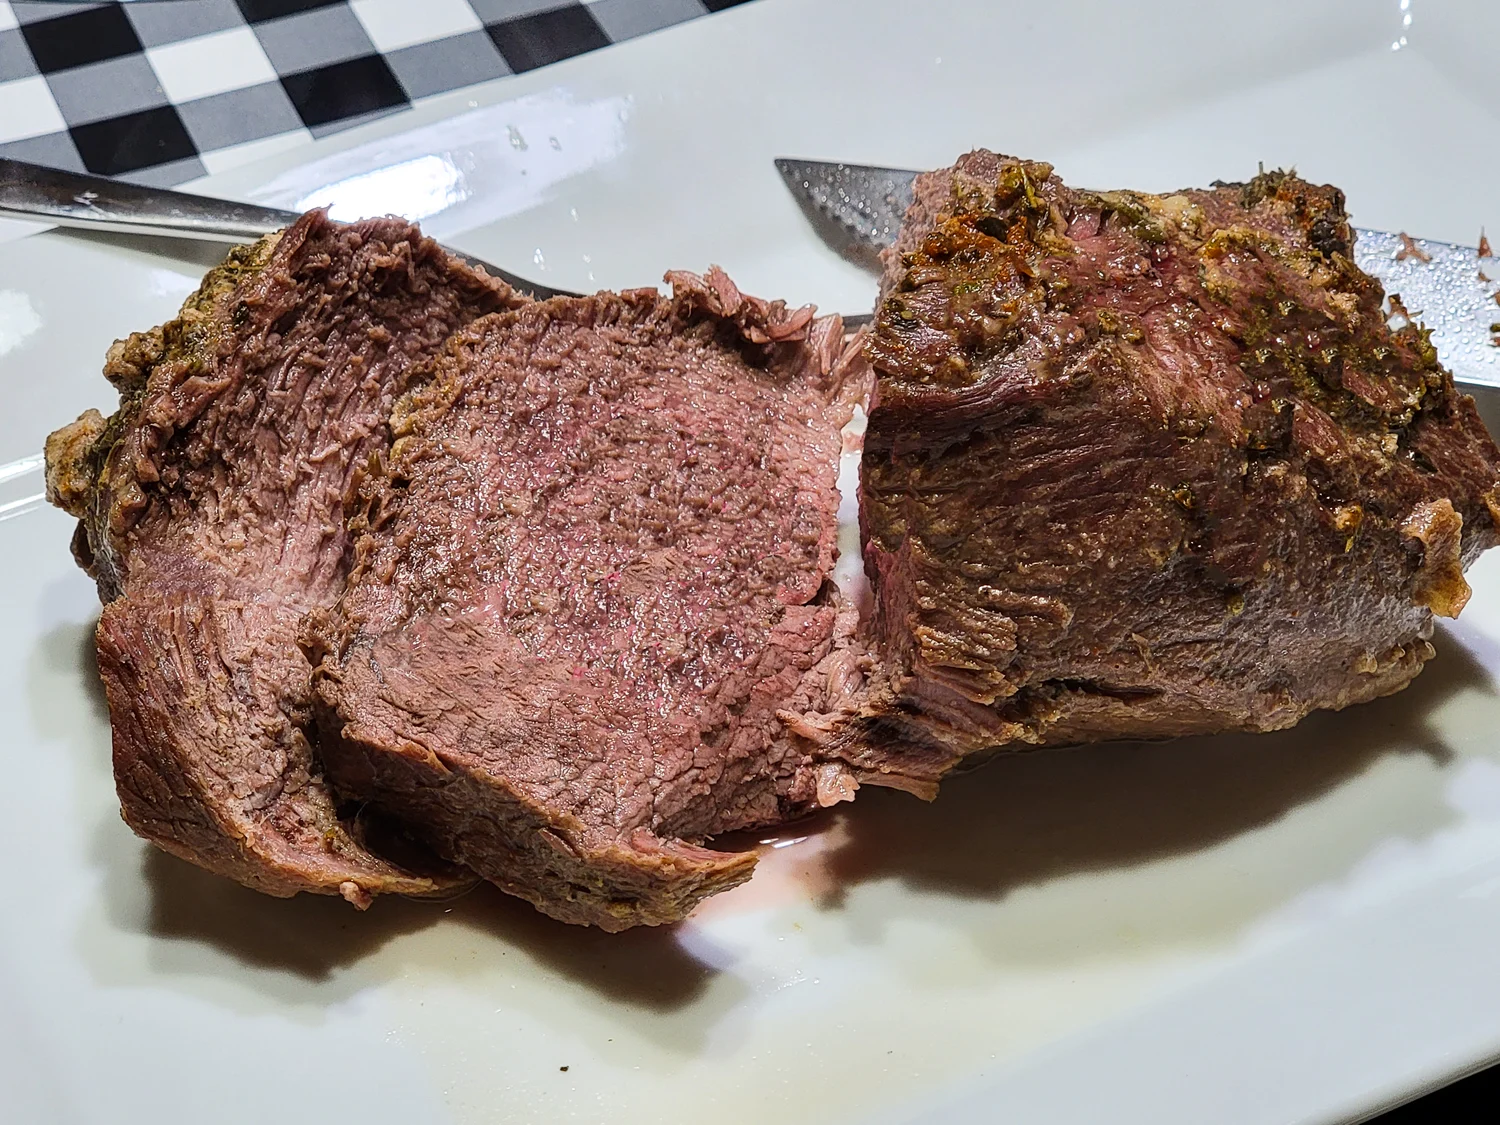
[(162, 92)]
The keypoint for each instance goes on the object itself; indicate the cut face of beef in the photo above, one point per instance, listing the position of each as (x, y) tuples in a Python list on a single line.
[(591, 620), (1149, 465), (212, 509)]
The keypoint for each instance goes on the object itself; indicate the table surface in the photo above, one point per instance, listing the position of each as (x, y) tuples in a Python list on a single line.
[(163, 93)]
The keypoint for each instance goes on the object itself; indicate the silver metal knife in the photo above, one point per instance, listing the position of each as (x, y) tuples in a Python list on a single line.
[(858, 210), (72, 199)]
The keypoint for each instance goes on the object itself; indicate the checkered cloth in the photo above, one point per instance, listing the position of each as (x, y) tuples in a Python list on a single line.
[(162, 92)]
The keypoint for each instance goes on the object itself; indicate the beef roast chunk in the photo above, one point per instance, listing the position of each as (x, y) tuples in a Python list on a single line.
[(212, 517), (591, 620), (1147, 465)]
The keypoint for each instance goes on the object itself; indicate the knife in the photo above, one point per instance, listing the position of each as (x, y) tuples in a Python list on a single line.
[(72, 199), (857, 210)]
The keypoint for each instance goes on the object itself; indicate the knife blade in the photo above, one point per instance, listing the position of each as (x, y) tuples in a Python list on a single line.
[(74, 199), (857, 210)]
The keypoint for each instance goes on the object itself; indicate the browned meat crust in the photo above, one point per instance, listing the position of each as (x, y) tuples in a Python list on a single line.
[(1149, 465)]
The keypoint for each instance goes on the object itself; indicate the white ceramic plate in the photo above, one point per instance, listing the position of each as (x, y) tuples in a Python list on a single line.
[(1289, 928)]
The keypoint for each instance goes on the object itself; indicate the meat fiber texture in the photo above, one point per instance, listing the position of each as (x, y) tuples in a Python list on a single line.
[(590, 621), (212, 516), (1148, 465), (575, 620)]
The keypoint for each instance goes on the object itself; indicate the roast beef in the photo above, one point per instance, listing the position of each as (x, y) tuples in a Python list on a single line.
[(212, 516), (590, 621), (1148, 465), (544, 589)]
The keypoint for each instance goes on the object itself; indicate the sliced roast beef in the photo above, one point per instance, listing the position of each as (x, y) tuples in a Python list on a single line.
[(1149, 465), (212, 509), (548, 585), (591, 621)]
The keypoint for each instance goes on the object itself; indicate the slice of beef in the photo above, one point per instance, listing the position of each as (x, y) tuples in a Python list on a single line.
[(212, 509), (591, 620), (1149, 465)]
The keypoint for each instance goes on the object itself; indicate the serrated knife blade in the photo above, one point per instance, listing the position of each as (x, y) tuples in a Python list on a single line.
[(857, 209)]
